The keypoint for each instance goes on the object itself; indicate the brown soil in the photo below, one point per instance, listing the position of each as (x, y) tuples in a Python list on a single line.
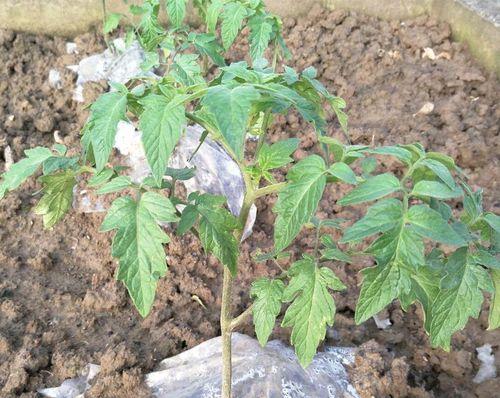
[(60, 307)]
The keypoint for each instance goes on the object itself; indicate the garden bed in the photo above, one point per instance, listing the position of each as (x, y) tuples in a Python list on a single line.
[(60, 307)]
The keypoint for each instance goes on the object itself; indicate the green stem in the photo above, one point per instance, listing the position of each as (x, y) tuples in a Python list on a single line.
[(225, 325), (269, 189)]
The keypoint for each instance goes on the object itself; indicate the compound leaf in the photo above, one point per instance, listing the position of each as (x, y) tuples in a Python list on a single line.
[(20, 171), (312, 307), (343, 172), (186, 69), (267, 294), (161, 123), (298, 200), (115, 185), (57, 197), (138, 244)]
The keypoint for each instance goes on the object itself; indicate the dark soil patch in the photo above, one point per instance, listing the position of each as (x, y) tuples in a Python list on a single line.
[(60, 307)]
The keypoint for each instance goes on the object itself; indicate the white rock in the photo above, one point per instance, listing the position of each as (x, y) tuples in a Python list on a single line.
[(382, 323), (71, 48), (55, 79), (487, 370)]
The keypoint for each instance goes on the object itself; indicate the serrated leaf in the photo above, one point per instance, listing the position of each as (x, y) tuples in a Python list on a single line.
[(232, 17), (429, 224), (186, 70), (381, 217), (373, 188), (231, 109), (290, 75), (460, 298), (440, 170), (216, 226), (112, 22), (343, 172), (267, 295), (138, 244), (20, 171), (278, 154), (494, 316), (436, 189), (260, 35), (100, 130), (297, 202), (57, 197), (381, 285), (213, 11), (115, 185), (161, 123), (176, 10), (312, 307)]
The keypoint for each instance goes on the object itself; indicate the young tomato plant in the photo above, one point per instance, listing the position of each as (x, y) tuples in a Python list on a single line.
[(424, 250)]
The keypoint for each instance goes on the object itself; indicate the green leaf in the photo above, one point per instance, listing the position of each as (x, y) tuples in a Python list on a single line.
[(184, 174), (460, 298), (332, 252), (402, 154), (267, 295), (232, 17), (278, 154), (115, 185), (435, 189), (100, 178), (381, 285), (213, 11), (189, 217), (57, 197), (312, 307), (493, 221), (176, 10), (260, 35), (373, 188), (207, 44), (429, 224), (494, 317), (231, 109), (298, 200), (138, 244), (186, 70), (343, 172), (20, 171), (439, 170), (381, 217), (100, 130), (161, 123), (151, 60), (216, 226), (55, 163), (112, 22)]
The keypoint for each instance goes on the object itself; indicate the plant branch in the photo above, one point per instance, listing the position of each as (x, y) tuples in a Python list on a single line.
[(241, 318), (269, 189)]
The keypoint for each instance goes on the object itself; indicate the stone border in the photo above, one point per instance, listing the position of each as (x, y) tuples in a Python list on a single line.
[(472, 21)]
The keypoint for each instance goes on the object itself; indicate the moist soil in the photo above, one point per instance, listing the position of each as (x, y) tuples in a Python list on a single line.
[(60, 307)]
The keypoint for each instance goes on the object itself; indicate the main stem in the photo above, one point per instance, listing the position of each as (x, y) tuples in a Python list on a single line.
[(226, 320)]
